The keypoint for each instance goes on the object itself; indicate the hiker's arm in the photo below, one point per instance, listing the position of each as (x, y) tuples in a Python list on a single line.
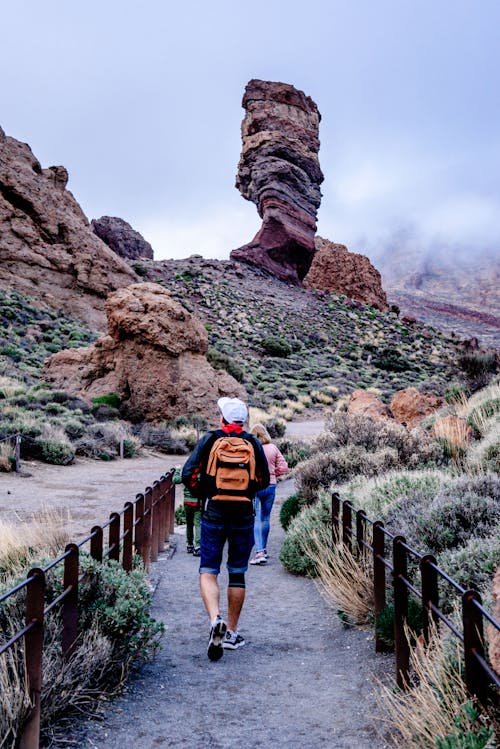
[(261, 467), (195, 465), (280, 466)]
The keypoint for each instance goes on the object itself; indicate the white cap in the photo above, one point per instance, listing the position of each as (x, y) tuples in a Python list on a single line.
[(233, 410)]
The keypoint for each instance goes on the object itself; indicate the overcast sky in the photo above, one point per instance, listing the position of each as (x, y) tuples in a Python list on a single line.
[(141, 101)]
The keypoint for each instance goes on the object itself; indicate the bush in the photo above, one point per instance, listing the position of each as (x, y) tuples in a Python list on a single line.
[(292, 553), (180, 515), (289, 509), (220, 360), (276, 427), (276, 346), (57, 453), (294, 451), (111, 399), (478, 367), (162, 438), (385, 621)]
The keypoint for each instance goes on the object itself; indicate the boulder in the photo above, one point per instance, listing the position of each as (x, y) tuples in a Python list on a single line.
[(47, 248), (279, 171), (121, 238), (364, 403), (410, 407), (336, 269), (153, 358)]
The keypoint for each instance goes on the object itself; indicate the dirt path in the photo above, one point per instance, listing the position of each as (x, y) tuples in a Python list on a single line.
[(302, 679)]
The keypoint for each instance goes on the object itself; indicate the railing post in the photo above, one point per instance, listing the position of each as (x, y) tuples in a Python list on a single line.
[(347, 525), (378, 544), (335, 518), (155, 520), (33, 651), (139, 523), (360, 531), (114, 537), (430, 593), (18, 453), (70, 603), (146, 528), (473, 644), (401, 644), (128, 536), (171, 508), (163, 514), (96, 543)]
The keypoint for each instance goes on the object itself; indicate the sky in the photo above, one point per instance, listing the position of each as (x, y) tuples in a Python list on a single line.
[(141, 102)]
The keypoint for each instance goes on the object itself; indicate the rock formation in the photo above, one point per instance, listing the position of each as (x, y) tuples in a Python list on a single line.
[(47, 248), (279, 171), (410, 407), (363, 403), (121, 238), (153, 358), (334, 268)]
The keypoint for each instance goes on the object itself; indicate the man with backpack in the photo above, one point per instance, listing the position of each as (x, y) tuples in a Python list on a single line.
[(227, 467)]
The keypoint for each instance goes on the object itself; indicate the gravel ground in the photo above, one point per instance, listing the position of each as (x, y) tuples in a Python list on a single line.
[(302, 679)]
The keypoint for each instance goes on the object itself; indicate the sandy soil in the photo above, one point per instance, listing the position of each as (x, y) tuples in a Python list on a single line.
[(91, 489)]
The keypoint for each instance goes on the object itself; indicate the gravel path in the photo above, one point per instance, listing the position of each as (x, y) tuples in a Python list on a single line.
[(302, 679)]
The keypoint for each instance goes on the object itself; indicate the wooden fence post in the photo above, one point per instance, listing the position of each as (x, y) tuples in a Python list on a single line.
[(473, 644), (401, 644), (347, 525), (430, 593), (114, 537), (378, 544), (96, 543), (33, 651), (70, 603), (335, 518), (128, 536)]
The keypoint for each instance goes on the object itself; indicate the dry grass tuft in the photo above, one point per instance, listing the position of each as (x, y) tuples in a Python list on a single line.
[(47, 532), (14, 698), (7, 455), (436, 710), (343, 579)]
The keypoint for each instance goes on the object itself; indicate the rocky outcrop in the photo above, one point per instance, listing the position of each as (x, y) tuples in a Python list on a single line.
[(47, 248), (336, 269), (153, 358), (363, 403), (409, 407), (279, 171), (121, 238)]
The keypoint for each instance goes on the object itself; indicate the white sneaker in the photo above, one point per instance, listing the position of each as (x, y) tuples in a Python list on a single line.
[(259, 558)]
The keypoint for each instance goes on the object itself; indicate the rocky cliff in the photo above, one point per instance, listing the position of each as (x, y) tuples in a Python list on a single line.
[(334, 268), (153, 357), (121, 238), (47, 249), (279, 171)]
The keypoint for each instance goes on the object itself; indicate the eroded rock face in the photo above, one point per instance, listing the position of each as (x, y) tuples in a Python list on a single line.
[(279, 171), (334, 268), (121, 238), (363, 403), (410, 407), (47, 248), (153, 358)]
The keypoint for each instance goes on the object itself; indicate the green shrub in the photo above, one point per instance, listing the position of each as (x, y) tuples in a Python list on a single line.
[(385, 621), (220, 360), (180, 515), (294, 451), (111, 399), (276, 346), (57, 453), (292, 553), (289, 509), (276, 427), (469, 732)]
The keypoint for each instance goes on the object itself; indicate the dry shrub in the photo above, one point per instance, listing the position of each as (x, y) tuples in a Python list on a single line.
[(344, 580), (47, 531), (14, 698), (7, 457), (437, 710)]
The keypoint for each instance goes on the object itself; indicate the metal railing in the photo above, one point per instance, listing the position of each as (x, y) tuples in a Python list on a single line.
[(478, 672), (143, 526)]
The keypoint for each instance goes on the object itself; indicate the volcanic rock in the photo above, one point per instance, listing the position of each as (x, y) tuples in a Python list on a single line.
[(334, 268), (363, 403), (121, 238), (47, 248), (153, 358), (409, 407), (279, 171)]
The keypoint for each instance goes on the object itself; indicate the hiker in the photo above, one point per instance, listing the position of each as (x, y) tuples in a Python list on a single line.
[(193, 516), (226, 468), (264, 499)]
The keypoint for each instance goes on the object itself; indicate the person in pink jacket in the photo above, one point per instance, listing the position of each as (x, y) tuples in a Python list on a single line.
[(264, 499)]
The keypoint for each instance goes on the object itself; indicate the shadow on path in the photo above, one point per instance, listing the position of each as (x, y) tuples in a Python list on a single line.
[(302, 679)]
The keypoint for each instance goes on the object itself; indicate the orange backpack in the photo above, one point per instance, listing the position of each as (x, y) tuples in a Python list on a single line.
[(231, 469)]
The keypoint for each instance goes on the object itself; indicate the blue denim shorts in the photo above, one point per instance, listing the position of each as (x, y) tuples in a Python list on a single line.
[(226, 521)]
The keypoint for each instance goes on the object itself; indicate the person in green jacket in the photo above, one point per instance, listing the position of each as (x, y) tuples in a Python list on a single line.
[(193, 517)]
